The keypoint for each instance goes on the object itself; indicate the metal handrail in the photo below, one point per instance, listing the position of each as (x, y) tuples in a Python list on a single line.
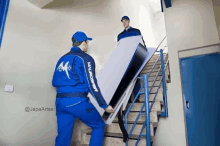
[(161, 42), (158, 48), (146, 104), (156, 75), (147, 112), (146, 92), (154, 65), (164, 83), (128, 111), (142, 87), (160, 84)]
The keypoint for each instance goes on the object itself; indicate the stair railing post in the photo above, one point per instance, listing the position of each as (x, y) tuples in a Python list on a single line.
[(147, 112), (126, 127), (164, 83)]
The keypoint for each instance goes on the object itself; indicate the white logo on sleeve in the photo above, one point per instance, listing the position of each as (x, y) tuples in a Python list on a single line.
[(65, 68), (91, 77)]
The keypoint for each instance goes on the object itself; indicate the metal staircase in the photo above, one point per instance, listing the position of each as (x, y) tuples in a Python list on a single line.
[(153, 99)]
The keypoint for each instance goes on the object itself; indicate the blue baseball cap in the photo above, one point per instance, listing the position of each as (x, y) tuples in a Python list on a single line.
[(80, 36), (125, 17)]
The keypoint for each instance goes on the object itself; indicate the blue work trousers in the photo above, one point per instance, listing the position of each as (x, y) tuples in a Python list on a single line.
[(67, 109)]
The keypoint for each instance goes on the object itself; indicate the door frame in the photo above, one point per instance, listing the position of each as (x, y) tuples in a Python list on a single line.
[(189, 53)]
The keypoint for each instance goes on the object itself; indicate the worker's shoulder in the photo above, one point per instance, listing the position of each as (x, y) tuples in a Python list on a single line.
[(84, 57), (121, 33), (63, 56), (135, 29)]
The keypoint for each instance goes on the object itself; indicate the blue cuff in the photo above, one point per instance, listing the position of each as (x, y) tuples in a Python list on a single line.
[(104, 106)]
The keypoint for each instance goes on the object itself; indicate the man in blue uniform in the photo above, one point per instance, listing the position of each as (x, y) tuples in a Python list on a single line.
[(74, 77), (128, 32)]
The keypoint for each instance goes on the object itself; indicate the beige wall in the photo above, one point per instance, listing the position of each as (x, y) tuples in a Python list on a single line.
[(40, 3), (33, 41), (216, 7), (189, 24)]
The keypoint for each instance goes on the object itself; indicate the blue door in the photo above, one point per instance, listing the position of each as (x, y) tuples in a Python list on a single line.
[(201, 91)]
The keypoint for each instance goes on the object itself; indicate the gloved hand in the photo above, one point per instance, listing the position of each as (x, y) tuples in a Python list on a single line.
[(109, 109)]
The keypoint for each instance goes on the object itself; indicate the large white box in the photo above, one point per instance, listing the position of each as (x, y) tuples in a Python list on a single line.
[(116, 68)]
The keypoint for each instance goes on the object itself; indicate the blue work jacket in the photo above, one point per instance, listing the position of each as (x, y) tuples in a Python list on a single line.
[(75, 72)]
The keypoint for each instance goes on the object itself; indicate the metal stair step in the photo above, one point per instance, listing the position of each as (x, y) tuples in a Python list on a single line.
[(156, 84), (159, 96), (155, 59), (115, 139), (157, 55), (153, 74), (152, 63), (154, 89), (138, 122), (131, 122), (77, 143), (150, 66), (137, 106), (150, 79), (133, 115), (114, 127), (148, 69)]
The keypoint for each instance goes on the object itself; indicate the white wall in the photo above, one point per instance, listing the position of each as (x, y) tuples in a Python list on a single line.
[(189, 24), (150, 11), (33, 41), (216, 7)]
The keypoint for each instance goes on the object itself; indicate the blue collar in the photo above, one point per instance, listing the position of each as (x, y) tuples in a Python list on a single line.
[(128, 28), (76, 49)]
